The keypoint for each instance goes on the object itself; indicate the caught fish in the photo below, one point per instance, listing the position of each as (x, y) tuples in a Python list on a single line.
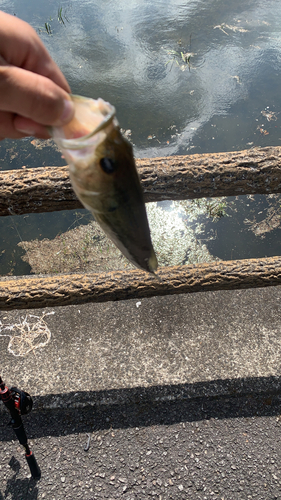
[(105, 179)]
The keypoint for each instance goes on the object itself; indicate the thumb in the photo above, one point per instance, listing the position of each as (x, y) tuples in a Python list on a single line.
[(34, 96)]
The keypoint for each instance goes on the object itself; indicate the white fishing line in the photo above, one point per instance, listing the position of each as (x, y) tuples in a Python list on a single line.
[(30, 333)]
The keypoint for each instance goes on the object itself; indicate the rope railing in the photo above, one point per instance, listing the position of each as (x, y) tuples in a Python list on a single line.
[(173, 178)]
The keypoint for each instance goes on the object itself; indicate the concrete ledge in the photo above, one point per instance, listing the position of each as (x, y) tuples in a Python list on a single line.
[(173, 348)]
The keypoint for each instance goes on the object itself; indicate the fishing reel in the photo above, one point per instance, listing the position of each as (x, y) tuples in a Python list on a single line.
[(22, 401)]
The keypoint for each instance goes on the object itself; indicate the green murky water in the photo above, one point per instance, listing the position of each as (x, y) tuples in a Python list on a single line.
[(185, 77)]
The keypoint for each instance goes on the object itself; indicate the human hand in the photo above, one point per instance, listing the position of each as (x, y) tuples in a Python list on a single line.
[(33, 91)]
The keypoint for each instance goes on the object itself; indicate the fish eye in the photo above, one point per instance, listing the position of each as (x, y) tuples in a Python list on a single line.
[(108, 165)]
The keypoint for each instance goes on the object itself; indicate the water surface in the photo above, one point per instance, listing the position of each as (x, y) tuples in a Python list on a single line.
[(222, 94)]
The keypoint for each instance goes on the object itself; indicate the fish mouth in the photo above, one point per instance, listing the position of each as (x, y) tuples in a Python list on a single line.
[(81, 141)]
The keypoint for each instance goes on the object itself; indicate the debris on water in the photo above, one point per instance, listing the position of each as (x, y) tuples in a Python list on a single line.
[(269, 115), (12, 154), (262, 130), (40, 144), (126, 133), (270, 221), (85, 248), (237, 78), (150, 137), (222, 27)]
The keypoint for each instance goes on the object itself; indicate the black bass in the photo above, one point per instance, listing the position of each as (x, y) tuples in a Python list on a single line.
[(105, 179)]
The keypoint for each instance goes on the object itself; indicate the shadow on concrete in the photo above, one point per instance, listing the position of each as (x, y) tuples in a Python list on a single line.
[(19, 488), (56, 415)]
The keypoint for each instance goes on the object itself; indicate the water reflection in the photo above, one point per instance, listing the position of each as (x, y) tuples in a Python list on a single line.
[(217, 102), (183, 232)]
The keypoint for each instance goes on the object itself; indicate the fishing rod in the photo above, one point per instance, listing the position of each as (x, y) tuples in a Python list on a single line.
[(20, 403)]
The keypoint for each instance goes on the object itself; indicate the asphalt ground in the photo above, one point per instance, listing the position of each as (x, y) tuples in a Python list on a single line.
[(177, 397)]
